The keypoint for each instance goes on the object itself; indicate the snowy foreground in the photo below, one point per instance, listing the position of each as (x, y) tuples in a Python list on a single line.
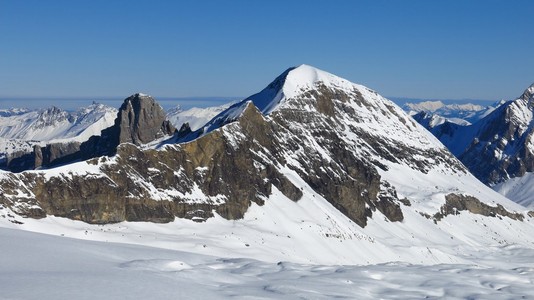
[(282, 250), (38, 266)]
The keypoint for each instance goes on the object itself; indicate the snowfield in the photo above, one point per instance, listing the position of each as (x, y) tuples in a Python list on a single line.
[(519, 189), (195, 117), (36, 266)]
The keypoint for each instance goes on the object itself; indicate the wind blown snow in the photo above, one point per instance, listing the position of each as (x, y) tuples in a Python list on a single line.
[(36, 266)]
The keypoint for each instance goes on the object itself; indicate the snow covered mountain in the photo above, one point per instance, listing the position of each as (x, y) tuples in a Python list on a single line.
[(497, 149), (13, 112), (312, 169), (461, 114), (53, 123), (195, 117), (22, 129), (444, 120)]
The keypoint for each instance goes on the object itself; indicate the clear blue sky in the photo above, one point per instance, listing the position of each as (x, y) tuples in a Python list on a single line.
[(112, 48)]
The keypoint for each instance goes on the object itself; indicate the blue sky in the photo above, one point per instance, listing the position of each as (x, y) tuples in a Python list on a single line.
[(420, 49)]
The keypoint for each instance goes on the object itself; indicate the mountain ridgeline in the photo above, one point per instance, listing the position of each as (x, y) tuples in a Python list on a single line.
[(22, 129), (307, 129), (139, 120), (497, 147)]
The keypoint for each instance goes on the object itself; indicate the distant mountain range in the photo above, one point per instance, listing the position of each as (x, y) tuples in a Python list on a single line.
[(461, 114), (495, 142), (22, 129)]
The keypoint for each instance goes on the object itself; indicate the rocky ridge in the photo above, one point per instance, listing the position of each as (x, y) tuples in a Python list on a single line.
[(140, 120), (497, 147)]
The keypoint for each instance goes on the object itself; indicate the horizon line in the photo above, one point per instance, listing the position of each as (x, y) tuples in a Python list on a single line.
[(111, 98)]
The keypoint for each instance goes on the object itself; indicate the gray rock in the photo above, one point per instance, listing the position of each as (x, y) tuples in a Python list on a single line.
[(454, 203), (141, 120)]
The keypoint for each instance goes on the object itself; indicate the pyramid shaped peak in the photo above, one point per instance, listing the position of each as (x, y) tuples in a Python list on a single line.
[(293, 82), (286, 89), (304, 68), (307, 76)]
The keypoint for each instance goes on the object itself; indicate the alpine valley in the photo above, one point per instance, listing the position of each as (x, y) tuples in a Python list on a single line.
[(315, 187)]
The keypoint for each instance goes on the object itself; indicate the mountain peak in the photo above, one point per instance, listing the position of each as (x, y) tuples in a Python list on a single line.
[(141, 95), (288, 86), (141, 120), (528, 93), (52, 110), (138, 99), (305, 76), (335, 161), (293, 82)]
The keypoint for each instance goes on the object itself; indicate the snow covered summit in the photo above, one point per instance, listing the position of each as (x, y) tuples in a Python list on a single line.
[(292, 83), (306, 90), (528, 94)]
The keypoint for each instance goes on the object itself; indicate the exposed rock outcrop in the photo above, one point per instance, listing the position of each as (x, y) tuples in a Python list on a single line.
[(191, 181), (56, 154), (456, 203), (497, 147), (140, 120)]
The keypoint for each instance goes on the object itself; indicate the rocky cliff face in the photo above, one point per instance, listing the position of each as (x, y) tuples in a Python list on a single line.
[(192, 180), (140, 120), (499, 146), (502, 147), (307, 129)]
